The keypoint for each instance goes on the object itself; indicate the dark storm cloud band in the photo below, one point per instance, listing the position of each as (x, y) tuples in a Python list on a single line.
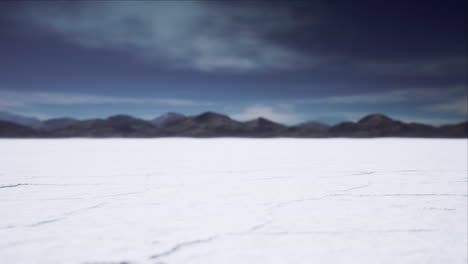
[(255, 36), (181, 34)]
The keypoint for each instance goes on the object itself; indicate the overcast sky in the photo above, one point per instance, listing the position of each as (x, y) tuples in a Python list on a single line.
[(289, 61)]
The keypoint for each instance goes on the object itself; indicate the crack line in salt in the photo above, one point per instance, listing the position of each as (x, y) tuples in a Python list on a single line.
[(357, 187), (12, 185), (182, 245)]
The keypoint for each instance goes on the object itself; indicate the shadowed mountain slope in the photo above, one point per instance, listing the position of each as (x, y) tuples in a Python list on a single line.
[(308, 129), (55, 123), (12, 130), (454, 131), (378, 125), (115, 126)]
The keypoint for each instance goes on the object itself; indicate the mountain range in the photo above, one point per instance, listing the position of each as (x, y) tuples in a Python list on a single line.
[(210, 124)]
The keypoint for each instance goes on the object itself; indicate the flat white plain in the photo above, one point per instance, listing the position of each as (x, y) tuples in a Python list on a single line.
[(106, 201)]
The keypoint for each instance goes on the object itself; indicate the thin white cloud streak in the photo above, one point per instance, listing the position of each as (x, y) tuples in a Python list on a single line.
[(256, 111), (38, 115), (21, 99), (385, 97), (183, 34), (459, 105)]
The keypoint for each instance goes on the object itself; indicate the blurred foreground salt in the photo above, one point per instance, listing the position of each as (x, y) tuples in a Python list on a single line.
[(233, 201)]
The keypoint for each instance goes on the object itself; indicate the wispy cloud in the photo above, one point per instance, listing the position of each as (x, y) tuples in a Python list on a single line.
[(386, 96), (339, 116), (268, 112), (416, 67), (201, 35), (459, 105), (19, 99), (38, 115)]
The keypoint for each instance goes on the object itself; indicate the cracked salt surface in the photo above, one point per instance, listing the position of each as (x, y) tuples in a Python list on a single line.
[(132, 201)]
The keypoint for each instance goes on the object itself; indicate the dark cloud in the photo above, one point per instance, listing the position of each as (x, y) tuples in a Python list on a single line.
[(388, 36), (184, 34), (262, 52)]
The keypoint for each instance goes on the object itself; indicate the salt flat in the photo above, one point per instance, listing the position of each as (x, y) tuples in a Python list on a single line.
[(233, 201)]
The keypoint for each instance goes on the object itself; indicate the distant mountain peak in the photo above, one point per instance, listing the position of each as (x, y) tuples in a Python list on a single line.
[(209, 113), (211, 116), (264, 120), (166, 119), (121, 117), (375, 118), (173, 114)]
